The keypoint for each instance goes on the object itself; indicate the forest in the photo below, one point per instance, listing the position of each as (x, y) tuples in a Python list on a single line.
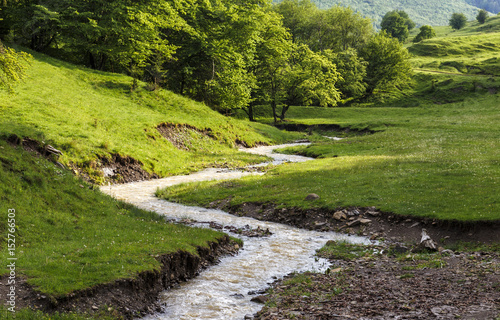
[(423, 12), (229, 54)]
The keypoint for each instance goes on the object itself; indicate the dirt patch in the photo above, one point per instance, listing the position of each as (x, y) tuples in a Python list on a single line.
[(183, 135), (126, 297), (321, 127), (383, 286), (123, 169), (38, 148), (368, 222)]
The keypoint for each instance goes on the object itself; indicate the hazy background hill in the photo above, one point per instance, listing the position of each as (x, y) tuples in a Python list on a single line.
[(490, 5), (422, 12)]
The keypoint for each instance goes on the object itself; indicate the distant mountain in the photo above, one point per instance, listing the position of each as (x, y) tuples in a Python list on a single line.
[(422, 12), (489, 5)]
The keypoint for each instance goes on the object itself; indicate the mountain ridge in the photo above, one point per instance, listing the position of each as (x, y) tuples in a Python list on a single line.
[(422, 12)]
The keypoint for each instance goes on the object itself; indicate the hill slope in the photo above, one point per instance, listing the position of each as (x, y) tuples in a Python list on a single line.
[(422, 12), (434, 153), (97, 122)]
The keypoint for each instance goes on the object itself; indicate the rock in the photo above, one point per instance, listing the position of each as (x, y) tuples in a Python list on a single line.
[(427, 242), (365, 221), (354, 223), (238, 296), (339, 215), (312, 197), (260, 299), (400, 249), (373, 213), (94, 307)]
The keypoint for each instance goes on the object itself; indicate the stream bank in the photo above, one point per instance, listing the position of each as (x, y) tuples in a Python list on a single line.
[(128, 298)]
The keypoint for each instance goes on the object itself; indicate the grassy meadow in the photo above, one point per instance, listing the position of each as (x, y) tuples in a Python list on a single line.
[(435, 151)]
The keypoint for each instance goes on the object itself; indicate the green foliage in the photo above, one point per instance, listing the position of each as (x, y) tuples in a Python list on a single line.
[(300, 78), (458, 21), (352, 69), (388, 68), (337, 28), (12, 66), (422, 12), (106, 35), (395, 25), (426, 32), (482, 16)]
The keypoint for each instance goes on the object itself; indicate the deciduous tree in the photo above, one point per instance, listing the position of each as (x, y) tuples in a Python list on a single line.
[(458, 21), (482, 16), (388, 68), (395, 25)]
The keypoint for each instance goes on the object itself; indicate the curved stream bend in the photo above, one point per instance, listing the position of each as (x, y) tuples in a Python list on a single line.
[(222, 291)]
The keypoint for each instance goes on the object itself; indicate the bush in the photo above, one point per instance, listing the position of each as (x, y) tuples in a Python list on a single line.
[(426, 32)]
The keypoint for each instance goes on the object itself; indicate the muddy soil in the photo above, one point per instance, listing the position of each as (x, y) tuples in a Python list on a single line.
[(125, 297), (449, 286)]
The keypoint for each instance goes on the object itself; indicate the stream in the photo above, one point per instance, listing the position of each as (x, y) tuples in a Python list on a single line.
[(224, 291)]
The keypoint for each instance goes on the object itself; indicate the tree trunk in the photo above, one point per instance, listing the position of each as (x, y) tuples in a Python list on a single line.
[(250, 112), (283, 111), (273, 106)]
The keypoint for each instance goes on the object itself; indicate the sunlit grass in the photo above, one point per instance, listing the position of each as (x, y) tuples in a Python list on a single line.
[(88, 114), (70, 236)]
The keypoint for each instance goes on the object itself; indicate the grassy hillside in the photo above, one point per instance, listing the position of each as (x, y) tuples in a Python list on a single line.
[(91, 115), (422, 12), (69, 236), (435, 152)]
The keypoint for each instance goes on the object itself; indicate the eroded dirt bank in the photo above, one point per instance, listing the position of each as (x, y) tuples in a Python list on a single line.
[(368, 222), (127, 297)]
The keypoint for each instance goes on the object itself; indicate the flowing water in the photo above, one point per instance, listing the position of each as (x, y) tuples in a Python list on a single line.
[(224, 291)]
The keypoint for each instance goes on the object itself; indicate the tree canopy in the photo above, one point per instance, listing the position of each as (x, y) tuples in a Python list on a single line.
[(482, 15), (229, 54), (396, 25), (458, 21)]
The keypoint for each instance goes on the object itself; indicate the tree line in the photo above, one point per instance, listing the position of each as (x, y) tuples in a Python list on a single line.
[(229, 54)]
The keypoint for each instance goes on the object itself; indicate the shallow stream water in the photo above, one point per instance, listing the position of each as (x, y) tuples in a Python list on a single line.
[(224, 291)]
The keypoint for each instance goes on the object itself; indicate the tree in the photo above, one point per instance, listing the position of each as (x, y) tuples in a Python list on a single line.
[(408, 22), (352, 69), (458, 21), (482, 16), (395, 25), (302, 77), (426, 32), (12, 66), (337, 28), (389, 68)]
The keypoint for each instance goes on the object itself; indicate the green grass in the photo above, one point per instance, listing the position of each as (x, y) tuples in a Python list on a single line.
[(435, 153), (89, 114), (28, 314), (342, 250), (70, 236)]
